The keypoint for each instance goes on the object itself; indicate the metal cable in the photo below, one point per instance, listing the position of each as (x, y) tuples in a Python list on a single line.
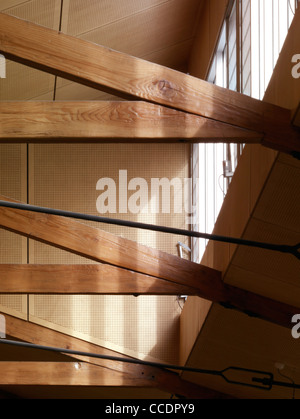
[(257, 379), (264, 381), (293, 250)]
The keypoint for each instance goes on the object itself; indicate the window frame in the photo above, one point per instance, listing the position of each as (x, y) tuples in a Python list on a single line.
[(202, 196)]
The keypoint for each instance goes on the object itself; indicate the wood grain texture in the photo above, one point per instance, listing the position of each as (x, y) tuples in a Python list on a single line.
[(101, 246), (66, 374), (130, 373), (105, 69), (111, 122), (84, 279), (86, 374)]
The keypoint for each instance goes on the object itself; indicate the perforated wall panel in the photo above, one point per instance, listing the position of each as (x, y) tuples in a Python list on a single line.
[(65, 177), (13, 248)]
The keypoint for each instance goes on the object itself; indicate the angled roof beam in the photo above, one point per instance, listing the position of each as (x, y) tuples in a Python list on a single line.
[(82, 374), (102, 68), (131, 374), (44, 373), (101, 246), (45, 122)]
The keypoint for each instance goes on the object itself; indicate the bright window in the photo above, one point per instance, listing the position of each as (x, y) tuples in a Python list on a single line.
[(250, 41)]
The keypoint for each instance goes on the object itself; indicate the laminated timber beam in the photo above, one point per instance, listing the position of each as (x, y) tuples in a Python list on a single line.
[(104, 372), (84, 280), (69, 374), (90, 121), (65, 374), (101, 246), (107, 70)]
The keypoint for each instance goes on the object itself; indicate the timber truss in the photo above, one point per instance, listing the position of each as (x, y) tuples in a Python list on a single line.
[(170, 106), (164, 106)]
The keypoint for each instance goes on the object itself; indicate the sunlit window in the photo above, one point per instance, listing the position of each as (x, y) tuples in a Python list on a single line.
[(250, 41)]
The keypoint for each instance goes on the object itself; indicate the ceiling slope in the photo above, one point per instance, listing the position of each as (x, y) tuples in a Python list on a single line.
[(263, 202)]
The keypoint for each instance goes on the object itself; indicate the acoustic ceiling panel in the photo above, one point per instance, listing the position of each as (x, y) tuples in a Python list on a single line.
[(232, 339), (65, 177), (155, 30), (275, 220), (22, 82), (95, 13), (13, 248), (144, 327), (137, 34), (282, 188), (41, 12)]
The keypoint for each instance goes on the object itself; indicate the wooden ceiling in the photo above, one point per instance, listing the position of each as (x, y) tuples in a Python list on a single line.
[(226, 337), (263, 203), (161, 31)]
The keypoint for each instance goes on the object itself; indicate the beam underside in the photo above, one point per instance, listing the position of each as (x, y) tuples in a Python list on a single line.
[(74, 122)]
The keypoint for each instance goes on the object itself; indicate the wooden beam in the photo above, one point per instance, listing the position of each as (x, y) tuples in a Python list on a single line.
[(162, 379), (72, 122), (28, 331), (101, 246), (66, 374), (84, 279), (82, 374), (102, 68)]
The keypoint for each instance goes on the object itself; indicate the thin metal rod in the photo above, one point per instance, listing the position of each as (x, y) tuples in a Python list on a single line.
[(265, 382), (106, 357), (284, 384), (293, 250)]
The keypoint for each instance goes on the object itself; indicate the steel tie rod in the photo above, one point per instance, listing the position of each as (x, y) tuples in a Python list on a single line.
[(257, 379), (283, 248), (262, 380)]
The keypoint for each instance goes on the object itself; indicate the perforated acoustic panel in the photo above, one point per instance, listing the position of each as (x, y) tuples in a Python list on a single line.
[(65, 177), (155, 30), (22, 82), (13, 248)]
